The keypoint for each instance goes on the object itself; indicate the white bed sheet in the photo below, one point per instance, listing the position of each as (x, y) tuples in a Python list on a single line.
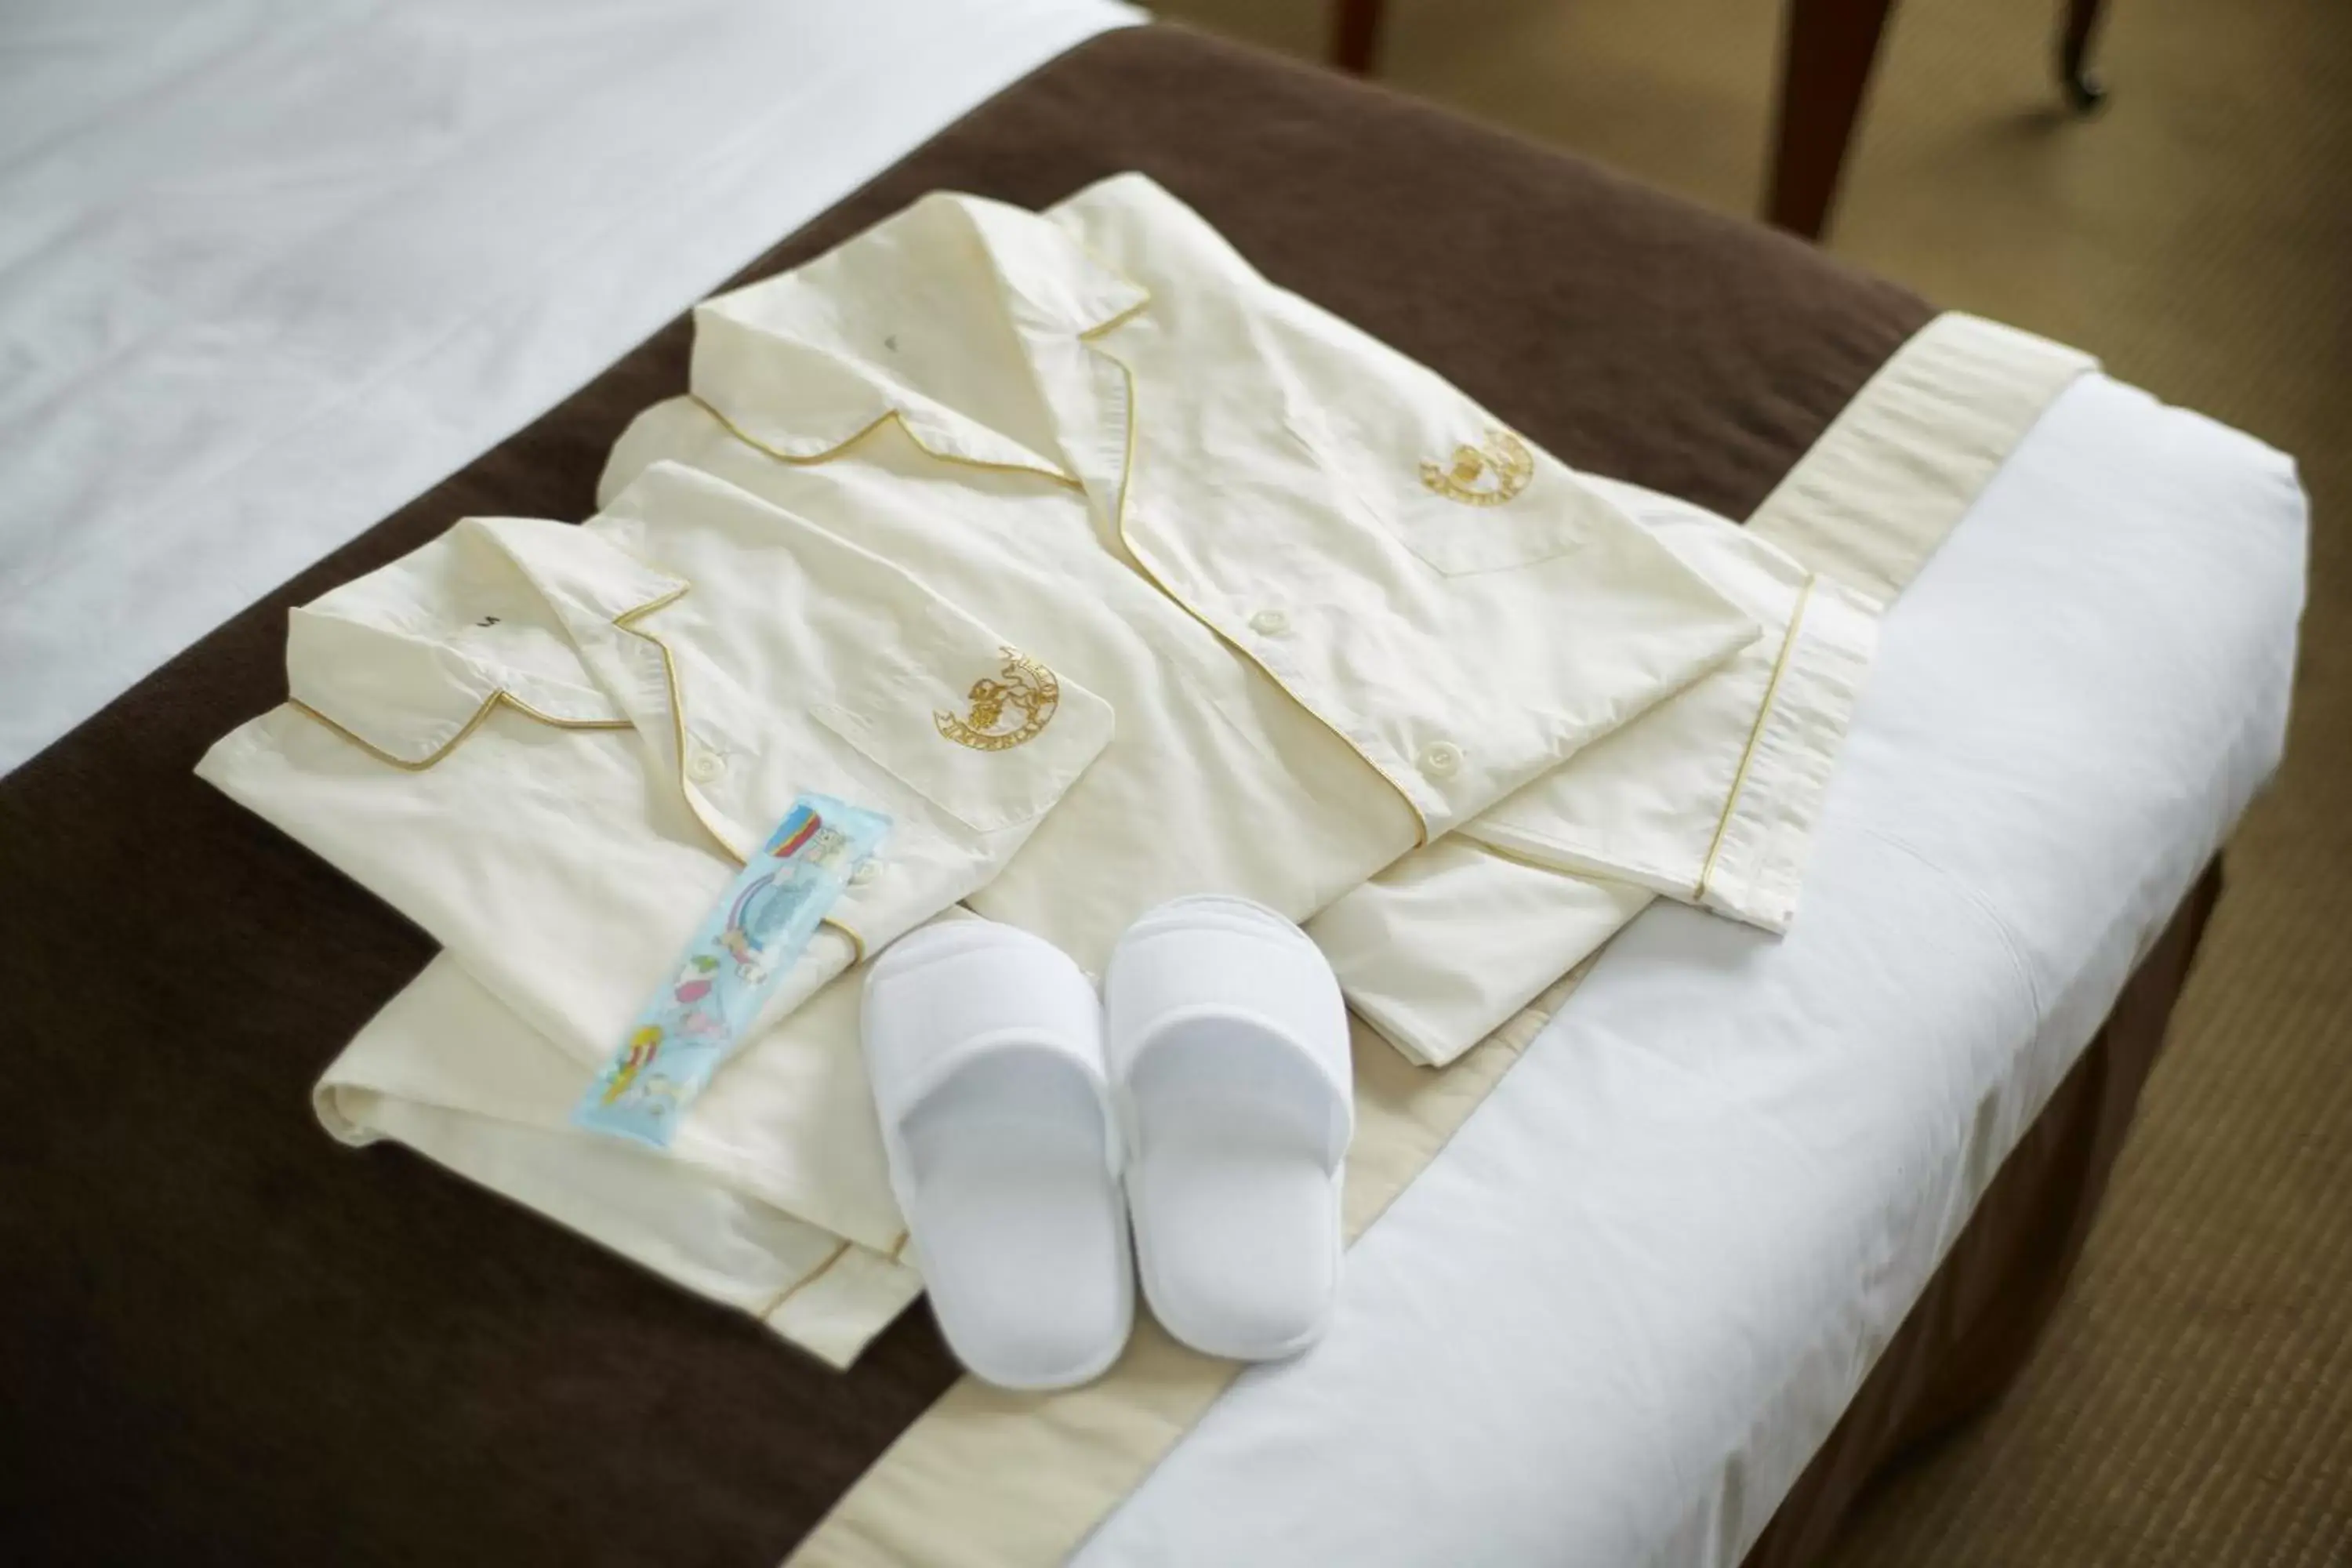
[(271, 267), (1614, 1320)]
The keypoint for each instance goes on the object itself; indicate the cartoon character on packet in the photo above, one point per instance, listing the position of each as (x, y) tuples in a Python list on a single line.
[(767, 907), (697, 1019), (644, 1046), (692, 1023)]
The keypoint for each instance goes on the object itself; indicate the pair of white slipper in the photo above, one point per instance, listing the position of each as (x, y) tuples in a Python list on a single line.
[(1212, 1081)]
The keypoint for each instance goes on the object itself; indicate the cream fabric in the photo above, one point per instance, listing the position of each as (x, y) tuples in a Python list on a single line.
[(1258, 461), (1147, 262), (1868, 503), (989, 1478), (1709, 798), (1273, 687), (1317, 657), (1877, 493), (553, 754), (550, 754), (719, 1213)]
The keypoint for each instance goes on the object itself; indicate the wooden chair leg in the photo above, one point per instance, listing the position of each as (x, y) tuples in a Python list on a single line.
[(1827, 50), (2083, 90), (1356, 35)]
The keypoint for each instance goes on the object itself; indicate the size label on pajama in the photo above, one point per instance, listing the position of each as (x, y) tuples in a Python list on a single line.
[(746, 945)]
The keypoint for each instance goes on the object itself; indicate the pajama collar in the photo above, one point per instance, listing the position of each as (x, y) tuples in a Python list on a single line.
[(408, 659), (935, 321)]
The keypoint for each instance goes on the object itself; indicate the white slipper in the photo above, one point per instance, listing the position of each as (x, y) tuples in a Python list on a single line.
[(1228, 1043), (984, 1046)]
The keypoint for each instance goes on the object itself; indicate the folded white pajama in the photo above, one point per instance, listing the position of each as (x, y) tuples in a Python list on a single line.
[(1709, 798), (773, 1200), (1841, 535), (553, 754), (1332, 642)]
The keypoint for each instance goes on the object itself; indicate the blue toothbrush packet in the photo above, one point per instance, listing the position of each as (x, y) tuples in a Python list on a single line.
[(747, 944)]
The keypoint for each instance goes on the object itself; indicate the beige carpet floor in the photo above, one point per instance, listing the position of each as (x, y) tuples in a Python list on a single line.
[(2192, 1404)]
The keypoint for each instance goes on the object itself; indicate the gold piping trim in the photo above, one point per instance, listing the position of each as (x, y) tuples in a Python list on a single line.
[(1521, 858), (775, 1303), (1100, 327), (627, 621), (889, 418), (502, 698), (856, 942), (1126, 489), (1755, 733), (899, 1245)]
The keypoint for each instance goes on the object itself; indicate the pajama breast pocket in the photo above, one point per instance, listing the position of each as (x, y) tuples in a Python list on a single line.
[(983, 730), (1459, 489)]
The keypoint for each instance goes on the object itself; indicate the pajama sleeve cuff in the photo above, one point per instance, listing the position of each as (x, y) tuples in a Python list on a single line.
[(1756, 863)]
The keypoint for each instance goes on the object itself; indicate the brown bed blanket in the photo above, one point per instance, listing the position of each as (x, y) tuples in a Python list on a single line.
[(229, 1338)]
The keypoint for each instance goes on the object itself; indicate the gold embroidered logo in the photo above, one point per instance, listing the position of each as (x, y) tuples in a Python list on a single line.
[(1483, 475), (1025, 687)]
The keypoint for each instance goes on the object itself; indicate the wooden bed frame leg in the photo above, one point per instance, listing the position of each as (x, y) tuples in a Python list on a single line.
[(1356, 35), (1827, 50), (2083, 90)]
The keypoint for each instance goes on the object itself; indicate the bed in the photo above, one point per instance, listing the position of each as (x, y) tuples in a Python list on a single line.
[(277, 267), (1740, 1220)]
